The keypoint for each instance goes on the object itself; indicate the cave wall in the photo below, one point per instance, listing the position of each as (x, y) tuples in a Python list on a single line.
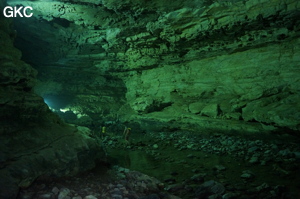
[(256, 85), (34, 142), (223, 65), (231, 61)]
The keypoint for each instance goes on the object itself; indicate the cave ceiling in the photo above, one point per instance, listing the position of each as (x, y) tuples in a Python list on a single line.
[(112, 36)]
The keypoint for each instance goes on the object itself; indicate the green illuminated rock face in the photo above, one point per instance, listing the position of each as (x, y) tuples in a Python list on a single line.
[(226, 65)]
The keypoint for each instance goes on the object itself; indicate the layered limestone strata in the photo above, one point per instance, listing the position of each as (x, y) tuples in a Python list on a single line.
[(257, 85), (227, 65), (34, 142)]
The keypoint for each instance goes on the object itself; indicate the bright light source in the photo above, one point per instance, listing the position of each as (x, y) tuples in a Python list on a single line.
[(48, 103), (64, 110)]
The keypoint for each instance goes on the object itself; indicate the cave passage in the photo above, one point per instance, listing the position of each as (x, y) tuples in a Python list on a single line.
[(150, 100)]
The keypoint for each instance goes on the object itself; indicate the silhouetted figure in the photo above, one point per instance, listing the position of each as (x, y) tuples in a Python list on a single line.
[(126, 133)]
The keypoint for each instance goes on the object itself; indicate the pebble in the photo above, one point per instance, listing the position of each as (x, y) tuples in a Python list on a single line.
[(262, 187), (220, 168), (170, 180), (263, 163), (119, 185), (253, 159), (210, 187), (252, 149), (284, 153), (152, 196), (116, 196), (247, 175), (55, 190), (229, 196), (116, 191), (198, 178), (190, 156), (174, 187), (274, 147), (90, 197), (268, 151), (45, 196), (77, 197), (63, 193), (297, 155)]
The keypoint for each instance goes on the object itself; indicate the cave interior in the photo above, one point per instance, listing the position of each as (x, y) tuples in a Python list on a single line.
[(150, 99)]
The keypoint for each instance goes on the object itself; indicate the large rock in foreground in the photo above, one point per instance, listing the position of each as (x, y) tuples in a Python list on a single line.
[(40, 152)]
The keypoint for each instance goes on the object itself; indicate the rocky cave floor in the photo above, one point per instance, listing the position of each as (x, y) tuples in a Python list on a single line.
[(185, 165)]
